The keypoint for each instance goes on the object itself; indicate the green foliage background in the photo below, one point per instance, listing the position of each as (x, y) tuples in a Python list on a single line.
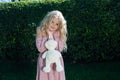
[(93, 29)]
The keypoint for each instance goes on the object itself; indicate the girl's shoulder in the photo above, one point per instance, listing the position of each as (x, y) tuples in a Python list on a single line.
[(40, 33)]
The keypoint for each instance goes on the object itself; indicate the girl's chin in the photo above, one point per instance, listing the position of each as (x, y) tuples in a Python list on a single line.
[(52, 30)]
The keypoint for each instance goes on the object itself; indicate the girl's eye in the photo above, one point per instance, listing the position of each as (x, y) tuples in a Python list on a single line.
[(52, 22)]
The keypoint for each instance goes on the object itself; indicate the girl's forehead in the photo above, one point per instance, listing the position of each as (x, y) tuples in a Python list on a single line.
[(55, 19)]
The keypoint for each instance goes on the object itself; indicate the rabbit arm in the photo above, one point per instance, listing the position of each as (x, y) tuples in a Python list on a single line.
[(44, 55)]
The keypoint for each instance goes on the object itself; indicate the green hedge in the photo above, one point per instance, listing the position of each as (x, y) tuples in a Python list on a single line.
[(93, 29)]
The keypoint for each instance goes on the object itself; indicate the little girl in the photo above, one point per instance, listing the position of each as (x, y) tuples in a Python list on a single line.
[(53, 26)]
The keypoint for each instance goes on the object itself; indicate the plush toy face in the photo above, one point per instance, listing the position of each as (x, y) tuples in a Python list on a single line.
[(51, 44)]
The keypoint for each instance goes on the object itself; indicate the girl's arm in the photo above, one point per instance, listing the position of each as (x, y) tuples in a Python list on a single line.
[(39, 41), (60, 45), (59, 41)]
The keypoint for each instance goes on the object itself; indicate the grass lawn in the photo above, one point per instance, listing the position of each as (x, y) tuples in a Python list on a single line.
[(90, 71)]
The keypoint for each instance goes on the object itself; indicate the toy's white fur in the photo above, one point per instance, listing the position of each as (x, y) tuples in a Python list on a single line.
[(52, 56)]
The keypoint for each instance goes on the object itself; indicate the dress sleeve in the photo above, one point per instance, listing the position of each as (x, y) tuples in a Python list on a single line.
[(40, 44), (40, 40), (59, 41), (60, 45)]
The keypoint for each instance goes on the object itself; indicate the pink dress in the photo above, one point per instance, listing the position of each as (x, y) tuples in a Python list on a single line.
[(53, 74)]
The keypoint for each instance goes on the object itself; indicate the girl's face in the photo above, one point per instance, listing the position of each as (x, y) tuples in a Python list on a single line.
[(54, 25)]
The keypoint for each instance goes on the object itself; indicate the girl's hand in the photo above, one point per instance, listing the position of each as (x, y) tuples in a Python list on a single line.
[(50, 34)]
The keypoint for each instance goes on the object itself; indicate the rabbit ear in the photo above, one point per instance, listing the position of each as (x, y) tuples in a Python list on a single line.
[(55, 43), (46, 44), (51, 43)]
